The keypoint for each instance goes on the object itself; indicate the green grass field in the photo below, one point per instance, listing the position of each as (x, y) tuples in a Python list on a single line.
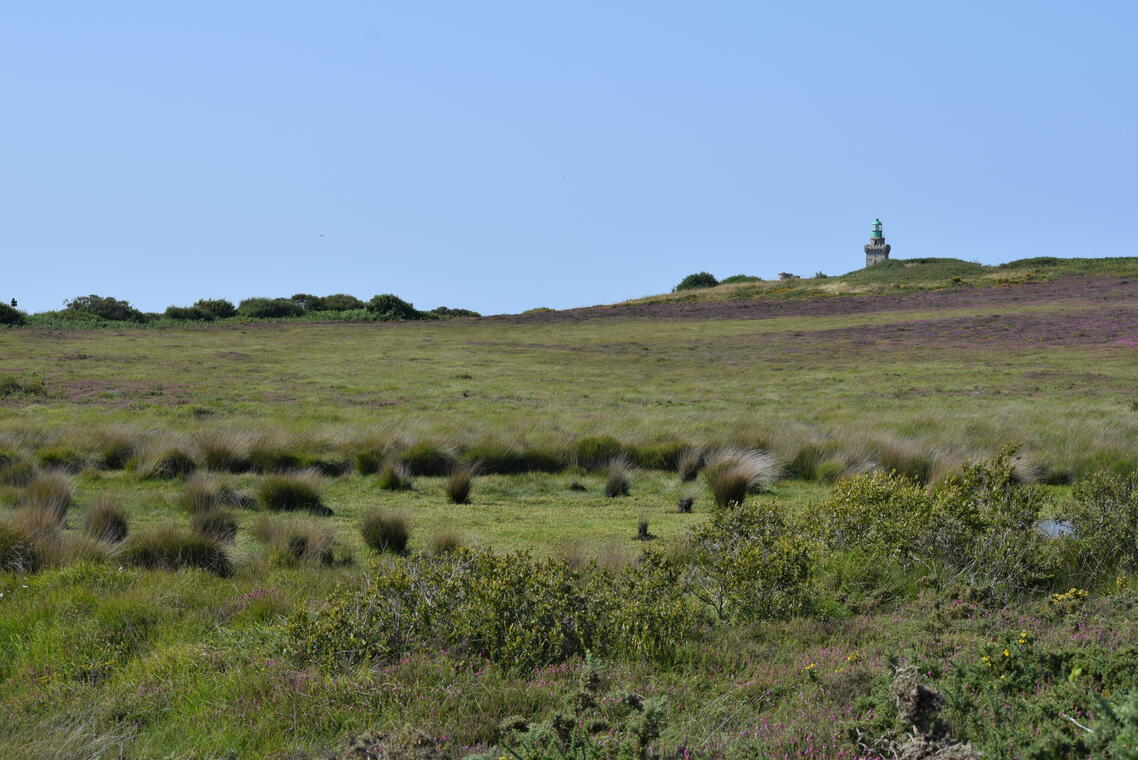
[(792, 652)]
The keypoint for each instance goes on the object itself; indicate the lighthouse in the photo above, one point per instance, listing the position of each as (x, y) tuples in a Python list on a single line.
[(876, 250)]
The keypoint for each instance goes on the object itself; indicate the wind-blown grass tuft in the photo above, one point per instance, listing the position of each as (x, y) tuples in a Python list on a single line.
[(618, 477), (50, 494), (394, 476), (291, 493), (732, 473), (459, 482), (385, 531), (106, 520)]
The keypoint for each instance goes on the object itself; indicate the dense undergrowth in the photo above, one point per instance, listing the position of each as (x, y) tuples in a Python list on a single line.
[(761, 634)]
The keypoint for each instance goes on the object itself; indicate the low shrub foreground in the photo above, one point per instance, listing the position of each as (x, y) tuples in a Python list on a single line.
[(762, 634)]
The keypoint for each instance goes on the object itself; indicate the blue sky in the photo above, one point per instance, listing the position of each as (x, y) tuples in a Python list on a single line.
[(506, 155)]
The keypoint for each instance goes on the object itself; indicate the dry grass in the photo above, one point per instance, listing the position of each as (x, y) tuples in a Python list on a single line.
[(293, 541), (732, 473), (50, 494)]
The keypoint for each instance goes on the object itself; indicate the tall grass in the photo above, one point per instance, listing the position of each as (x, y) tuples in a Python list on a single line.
[(618, 477), (171, 548), (460, 481), (293, 541), (394, 476), (385, 531), (106, 520), (445, 541), (291, 493), (217, 524), (732, 473), (51, 494)]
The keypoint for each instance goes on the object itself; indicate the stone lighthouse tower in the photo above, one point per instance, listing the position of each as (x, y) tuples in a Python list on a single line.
[(876, 250)]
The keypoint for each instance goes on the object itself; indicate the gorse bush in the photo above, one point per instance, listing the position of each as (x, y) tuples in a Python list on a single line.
[(269, 308), (104, 307), (291, 493), (748, 563), (697, 280), (173, 549), (218, 308), (385, 531), (492, 606), (106, 520), (11, 316), (187, 314), (460, 481), (1103, 511), (389, 306)]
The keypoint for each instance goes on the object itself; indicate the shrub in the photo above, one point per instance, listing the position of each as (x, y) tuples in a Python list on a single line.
[(216, 524), (445, 312), (749, 564), (61, 458), (269, 308), (1103, 510), (394, 476), (341, 302), (597, 451), (697, 280), (291, 493), (426, 459), (658, 456), (444, 542), (391, 307), (105, 520), (459, 481), (169, 464), (18, 552), (188, 314), (292, 541), (169, 548), (618, 478), (11, 316), (739, 278), (49, 494), (105, 308), (732, 473), (385, 531), (218, 308)]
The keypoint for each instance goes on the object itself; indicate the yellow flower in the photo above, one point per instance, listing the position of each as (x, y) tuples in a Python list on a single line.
[(811, 666), (1007, 653), (853, 657)]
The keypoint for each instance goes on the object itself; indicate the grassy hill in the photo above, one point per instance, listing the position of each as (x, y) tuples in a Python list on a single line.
[(246, 614), (908, 275)]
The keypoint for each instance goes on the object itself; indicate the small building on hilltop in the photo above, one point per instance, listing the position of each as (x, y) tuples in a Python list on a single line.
[(876, 250)]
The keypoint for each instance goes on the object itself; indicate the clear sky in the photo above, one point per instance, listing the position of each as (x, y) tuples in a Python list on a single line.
[(506, 155)]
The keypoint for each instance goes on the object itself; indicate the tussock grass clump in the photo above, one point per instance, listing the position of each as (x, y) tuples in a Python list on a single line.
[(114, 450), (618, 478), (17, 472), (106, 520), (385, 531), (199, 495), (732, 473), (274, 459), (18, 551), (684, 505), (291, 493), (168, 464), (595, 452), (689, 464), (368, 461), (394, 476), (61, 458), (224, 452), (51, 494), (445, 542), (427, 459), (642, 533), (459, 482), (170, 548), (290, 542), (217, 524)]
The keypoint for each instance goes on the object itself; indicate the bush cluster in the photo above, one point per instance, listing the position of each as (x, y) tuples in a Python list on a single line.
[(697, 280)]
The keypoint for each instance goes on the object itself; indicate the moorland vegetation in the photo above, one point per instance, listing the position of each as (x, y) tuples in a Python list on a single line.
[(899, 524)]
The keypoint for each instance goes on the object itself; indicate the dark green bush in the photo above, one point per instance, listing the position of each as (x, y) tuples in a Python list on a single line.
[(341, 302), (1103, 510), (385, 531), (269, 308), (106, 520), (389, 306), (288, 493), (15, 386), (308, 302), (697, 280), (105, 308), (219, 308), (173, 549), (739, 278), (445, 312), (188, 314), (11, 316)]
